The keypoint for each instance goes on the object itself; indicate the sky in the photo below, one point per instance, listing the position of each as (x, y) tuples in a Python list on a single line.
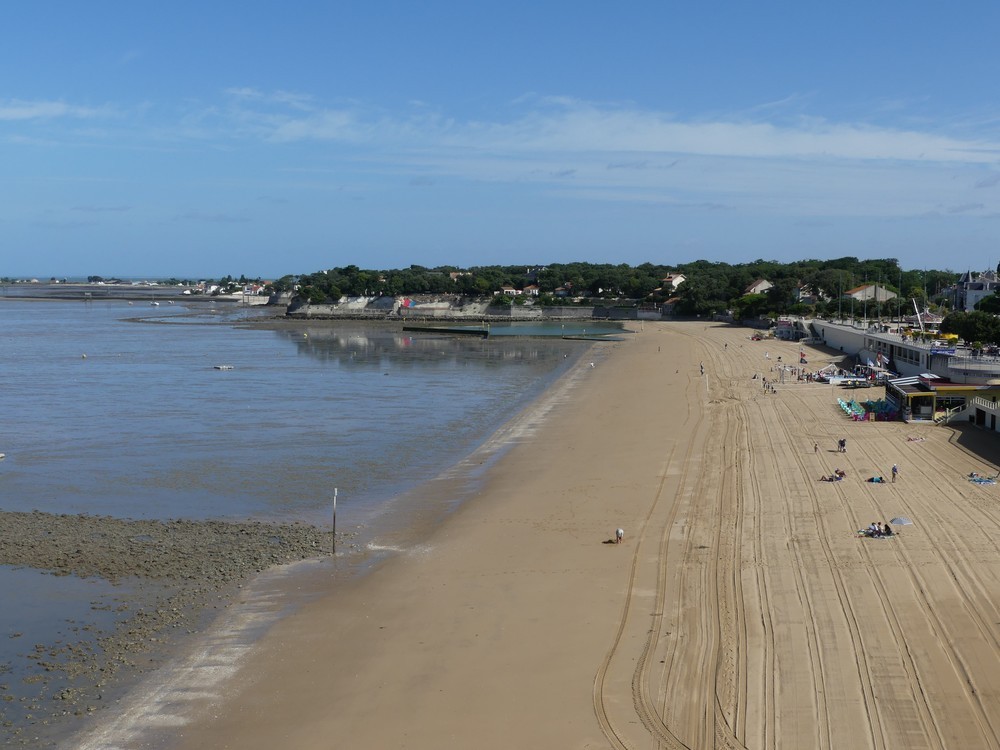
[(270, 138)]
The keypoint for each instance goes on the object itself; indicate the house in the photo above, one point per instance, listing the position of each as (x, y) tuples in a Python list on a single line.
[(974, 287), (870, 291), (671, 281), (508, 290), (758, 287), (667, 308), (531, 290)]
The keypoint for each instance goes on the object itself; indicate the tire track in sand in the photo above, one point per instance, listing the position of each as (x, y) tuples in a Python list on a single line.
[(931, 473), (715, 659), (604, 702), (879, 731), (703, 716)]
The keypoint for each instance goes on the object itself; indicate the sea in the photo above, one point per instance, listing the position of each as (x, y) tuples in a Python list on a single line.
[(192, 408)]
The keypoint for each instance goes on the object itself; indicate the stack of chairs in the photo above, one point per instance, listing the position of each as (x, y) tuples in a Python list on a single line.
[(884, 411), (852, 409)]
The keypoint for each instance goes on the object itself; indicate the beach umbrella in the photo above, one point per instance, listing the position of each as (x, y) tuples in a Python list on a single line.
[(901, 522)]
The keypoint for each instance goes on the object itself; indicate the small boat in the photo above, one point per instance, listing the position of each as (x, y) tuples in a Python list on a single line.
[(154, 303), (223, 367)]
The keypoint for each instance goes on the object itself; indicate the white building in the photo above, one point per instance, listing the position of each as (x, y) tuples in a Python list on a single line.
[(870, 291)]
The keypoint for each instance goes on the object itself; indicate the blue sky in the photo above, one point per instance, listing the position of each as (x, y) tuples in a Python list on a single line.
[(265, 138)]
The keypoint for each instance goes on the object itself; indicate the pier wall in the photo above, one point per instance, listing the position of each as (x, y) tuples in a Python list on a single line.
[(470, 311)]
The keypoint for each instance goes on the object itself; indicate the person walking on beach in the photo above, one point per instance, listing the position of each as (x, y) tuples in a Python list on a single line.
[(895, 472), (815, 447), (619, 535)]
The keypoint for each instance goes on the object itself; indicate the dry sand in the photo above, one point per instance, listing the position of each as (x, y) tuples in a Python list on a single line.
[(741, 611)]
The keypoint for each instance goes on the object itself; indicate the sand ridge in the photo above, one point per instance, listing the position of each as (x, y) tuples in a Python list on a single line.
[(742, 610)]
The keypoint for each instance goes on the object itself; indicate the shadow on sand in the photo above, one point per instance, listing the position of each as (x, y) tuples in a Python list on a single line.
[(977, 441)]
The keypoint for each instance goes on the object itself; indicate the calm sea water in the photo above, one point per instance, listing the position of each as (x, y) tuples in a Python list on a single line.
[(118, 409), (104, 414)]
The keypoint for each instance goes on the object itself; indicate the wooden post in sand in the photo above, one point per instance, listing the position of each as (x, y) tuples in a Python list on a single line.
[(333, 537)]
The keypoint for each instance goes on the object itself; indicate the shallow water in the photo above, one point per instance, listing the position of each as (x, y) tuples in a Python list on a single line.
[(105, 415), (60, 614), (118, 409)]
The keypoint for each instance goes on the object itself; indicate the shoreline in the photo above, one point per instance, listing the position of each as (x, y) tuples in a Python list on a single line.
[(741, 611), (385, 595), (400, 529), (167, 578), (450, 487)]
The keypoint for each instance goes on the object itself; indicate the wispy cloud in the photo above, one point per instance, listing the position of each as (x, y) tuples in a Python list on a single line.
[(102, 209), (129, 56), (213, 218), (625, 135), (771, 158), (964, 208), (283, 98), (17, 109), (560, 125)]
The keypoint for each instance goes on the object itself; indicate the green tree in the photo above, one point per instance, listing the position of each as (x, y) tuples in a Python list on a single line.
[(284, 284), (973, 326), (782, 295), (750, 306), (990, 304), (704, 292)]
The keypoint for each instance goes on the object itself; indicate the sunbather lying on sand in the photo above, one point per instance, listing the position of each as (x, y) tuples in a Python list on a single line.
[(975, 476), (876, 531)]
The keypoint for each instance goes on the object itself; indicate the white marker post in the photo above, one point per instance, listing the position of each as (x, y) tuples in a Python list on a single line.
[(333, 537)]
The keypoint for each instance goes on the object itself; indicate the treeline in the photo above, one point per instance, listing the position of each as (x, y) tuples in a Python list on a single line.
[(708, 287)]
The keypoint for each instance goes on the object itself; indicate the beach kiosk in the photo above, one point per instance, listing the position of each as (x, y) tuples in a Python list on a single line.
[(929, 397)]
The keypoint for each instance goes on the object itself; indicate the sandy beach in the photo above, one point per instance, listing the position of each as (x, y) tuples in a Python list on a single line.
[(742, 609)]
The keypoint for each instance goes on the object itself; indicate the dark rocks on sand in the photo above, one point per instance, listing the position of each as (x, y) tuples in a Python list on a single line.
[(175, 569)]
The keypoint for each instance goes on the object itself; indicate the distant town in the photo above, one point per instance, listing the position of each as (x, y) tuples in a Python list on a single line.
[(225, 286), (843, 287)]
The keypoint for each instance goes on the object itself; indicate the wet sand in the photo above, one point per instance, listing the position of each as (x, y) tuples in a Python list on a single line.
[(741, 611), (172, 573)]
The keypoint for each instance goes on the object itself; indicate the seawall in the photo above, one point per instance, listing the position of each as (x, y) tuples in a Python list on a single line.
[(463, 310)]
